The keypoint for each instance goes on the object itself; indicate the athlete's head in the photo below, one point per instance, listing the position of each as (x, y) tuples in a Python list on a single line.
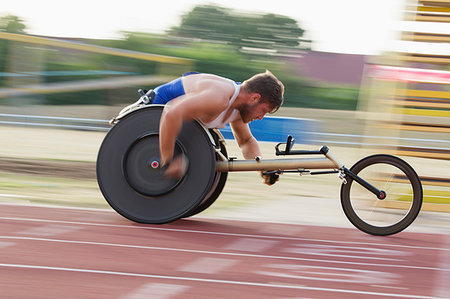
[(268, 86)]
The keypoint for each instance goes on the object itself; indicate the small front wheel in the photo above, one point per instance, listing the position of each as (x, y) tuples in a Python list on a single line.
[(397, 209)]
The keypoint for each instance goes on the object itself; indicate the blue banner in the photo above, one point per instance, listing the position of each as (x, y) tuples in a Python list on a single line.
[(276, 129)]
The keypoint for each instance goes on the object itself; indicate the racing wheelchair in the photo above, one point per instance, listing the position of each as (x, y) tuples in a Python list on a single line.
[(380, 194)]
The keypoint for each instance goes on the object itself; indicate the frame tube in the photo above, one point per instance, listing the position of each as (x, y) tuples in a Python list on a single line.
[(379, 193), (274, 164)]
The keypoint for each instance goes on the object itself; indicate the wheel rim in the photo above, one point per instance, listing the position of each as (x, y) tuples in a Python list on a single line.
[(390, 210), (388, 215)]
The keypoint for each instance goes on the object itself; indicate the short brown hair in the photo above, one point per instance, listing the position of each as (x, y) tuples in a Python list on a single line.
[(268, 86)]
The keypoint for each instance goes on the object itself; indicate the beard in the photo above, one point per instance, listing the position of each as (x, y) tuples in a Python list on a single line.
[(246, 111)]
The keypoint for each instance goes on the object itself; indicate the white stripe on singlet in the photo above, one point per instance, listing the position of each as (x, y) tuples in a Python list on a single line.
[(220, 122)]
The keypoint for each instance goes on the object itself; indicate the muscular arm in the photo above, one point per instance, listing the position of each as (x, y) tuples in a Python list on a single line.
[(249, 146), (247, 143), (195, 105), (169, 128)]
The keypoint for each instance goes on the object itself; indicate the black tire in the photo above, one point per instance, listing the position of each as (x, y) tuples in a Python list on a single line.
[(401, 205), (139, 191), (219, 182)]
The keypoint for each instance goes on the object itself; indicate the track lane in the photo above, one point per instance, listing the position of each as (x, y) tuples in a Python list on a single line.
[(203, 256)]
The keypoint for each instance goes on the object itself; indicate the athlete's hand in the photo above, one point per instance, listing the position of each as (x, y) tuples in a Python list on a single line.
[(177, 167), (270, 179)]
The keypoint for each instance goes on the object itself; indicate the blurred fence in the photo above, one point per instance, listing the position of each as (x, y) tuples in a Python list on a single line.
[(42, 70), (83, 124), (82, 85), (270, 129), (91, 48)]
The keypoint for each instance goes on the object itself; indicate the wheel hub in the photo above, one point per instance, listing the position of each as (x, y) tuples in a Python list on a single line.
[(141, 166)]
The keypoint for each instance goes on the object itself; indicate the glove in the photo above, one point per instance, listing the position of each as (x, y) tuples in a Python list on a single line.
[(176, 168), (270, 178)]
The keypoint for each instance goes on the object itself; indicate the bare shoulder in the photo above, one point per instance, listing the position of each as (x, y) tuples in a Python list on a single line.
[(219, 87)]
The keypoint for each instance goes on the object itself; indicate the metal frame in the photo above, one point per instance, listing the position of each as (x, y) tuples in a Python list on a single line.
[(301, 165), (282, 165), (274, 164)]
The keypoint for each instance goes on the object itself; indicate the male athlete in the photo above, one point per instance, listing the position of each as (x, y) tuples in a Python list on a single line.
[(214, 101)]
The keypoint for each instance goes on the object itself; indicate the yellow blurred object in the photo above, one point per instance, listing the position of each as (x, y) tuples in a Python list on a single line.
[(92, 48), (409, 99)]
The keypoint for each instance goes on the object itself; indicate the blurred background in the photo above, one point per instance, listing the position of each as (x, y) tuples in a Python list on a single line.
[(360, 76)]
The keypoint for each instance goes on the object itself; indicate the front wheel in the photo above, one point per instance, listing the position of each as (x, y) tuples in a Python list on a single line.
[(391, 214)]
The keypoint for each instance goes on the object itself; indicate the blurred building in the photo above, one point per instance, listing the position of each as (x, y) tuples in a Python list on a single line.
[(334, 68), (406, 95)]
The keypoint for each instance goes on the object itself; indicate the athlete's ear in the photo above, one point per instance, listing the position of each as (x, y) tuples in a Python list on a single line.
[(255, 97)]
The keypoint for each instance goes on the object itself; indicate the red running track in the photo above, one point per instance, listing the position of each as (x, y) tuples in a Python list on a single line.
[(80, 253)]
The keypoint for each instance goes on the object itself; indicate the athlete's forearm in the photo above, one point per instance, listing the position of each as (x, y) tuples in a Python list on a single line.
[(170, 126), (250, 149)]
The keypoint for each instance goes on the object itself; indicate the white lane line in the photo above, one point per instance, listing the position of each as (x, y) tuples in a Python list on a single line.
[(224, 234), (356, 252), (208, 265), (217, 281), (203, 252), (156, 291), (250, 245), (389, 287), (50, 230)]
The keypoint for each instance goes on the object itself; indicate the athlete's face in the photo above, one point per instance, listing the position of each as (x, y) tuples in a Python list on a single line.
[(250, 112)]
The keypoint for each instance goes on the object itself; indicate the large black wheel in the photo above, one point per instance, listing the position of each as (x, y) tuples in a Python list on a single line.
[(218, 184), (397, 210), (129, 175)]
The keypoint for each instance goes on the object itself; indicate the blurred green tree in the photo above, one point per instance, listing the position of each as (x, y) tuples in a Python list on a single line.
[(215, 23), (12, 24)]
